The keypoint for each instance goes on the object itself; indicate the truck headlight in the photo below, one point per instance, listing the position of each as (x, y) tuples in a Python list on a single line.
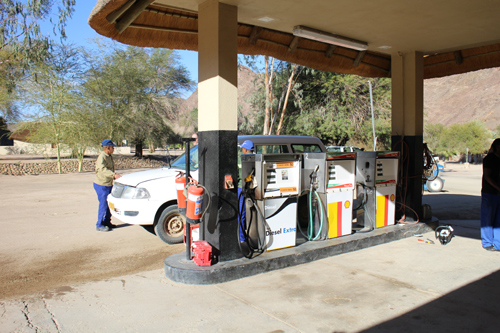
[(135, 193)]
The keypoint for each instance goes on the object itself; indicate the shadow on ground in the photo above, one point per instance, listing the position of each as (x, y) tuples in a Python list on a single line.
[(472, 308), (454, 206)]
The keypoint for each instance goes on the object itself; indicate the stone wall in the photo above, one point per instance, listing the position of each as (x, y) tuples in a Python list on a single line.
[(71, 165)]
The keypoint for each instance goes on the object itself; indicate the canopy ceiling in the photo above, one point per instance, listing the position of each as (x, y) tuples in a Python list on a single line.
[(455, 36)]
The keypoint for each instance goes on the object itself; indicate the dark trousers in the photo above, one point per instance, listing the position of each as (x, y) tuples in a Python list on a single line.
[(104, 215), (490, 220), (243, 214)]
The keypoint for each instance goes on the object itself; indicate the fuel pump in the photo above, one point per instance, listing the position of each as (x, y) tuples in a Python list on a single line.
[(312, 222), (376, 178), (271, 205), (365, 188), (253, 244), (340, 184), (386, 179)]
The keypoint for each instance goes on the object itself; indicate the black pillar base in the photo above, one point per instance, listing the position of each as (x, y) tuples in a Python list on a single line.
[(409, 191), (218, 154)]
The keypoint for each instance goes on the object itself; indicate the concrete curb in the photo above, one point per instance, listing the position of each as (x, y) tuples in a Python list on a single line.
[(179, 269)]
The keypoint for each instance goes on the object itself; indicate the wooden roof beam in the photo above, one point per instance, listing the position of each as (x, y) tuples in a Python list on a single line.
[(459, 59), (254, 35), (330, 50), (358, 59), (131, 14), (149, 27), (114, 15), (294, 44)]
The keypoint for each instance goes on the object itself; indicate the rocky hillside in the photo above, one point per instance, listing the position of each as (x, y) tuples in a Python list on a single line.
[(464, 98), (448, 100)]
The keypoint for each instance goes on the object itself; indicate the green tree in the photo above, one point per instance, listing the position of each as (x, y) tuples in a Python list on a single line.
[(10, 74), (134, 92), (273, 97), (457, 138), (497, 132), (472, 136), (383, 131), (336, 108), (50, 92), (22, 43), (434, 134), (80, 133)]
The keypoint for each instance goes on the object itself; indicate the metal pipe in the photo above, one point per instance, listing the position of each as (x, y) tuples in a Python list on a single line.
[(188, 175), (373, 119)]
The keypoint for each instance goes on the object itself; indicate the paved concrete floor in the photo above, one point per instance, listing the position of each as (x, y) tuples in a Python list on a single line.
[(405, 285)]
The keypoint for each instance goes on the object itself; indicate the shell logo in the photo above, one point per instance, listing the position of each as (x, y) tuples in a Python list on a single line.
[(347, 204), (392, 197)]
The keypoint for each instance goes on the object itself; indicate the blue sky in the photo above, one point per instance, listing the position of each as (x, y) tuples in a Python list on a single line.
[(80, 33)]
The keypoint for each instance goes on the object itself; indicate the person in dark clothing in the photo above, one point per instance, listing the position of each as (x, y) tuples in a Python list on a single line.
[(103, 184), (490, 199), (247, 147)]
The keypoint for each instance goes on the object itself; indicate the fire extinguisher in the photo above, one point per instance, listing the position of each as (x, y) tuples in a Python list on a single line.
[(180, 182), (194, 203)]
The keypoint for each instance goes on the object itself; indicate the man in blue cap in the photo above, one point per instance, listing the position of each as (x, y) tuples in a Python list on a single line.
[(103, 183), (247, 147)]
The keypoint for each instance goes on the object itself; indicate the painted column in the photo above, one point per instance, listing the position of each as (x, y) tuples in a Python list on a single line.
[(217, 122), (408, 128)]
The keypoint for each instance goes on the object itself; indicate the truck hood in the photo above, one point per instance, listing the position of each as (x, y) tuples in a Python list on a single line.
[(136, 178)]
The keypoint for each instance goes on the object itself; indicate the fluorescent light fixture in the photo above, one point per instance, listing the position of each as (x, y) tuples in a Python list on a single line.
[(325, 37)]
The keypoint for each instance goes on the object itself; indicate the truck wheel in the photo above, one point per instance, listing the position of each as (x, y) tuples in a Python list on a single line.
[(435, 185), (170, 226)]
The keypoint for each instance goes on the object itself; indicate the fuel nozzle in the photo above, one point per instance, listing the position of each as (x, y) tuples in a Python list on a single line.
[(314, 178), (250, 181)]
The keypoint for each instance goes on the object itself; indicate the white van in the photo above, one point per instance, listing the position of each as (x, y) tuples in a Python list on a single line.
[(150, 198)]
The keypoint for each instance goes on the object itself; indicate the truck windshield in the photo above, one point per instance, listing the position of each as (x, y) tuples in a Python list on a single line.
[(180, 162)]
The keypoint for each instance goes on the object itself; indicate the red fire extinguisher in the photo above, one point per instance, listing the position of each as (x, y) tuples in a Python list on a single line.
[(180, 182), (194, 203)]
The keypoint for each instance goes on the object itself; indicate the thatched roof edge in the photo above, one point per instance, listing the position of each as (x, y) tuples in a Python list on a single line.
[(177, 29)]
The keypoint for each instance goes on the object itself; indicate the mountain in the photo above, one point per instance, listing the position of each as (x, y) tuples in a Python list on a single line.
[(463, 98), (448, 100)]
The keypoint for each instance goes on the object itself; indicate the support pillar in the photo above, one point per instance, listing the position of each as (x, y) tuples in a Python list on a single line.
[(407, 130), (217, 123)]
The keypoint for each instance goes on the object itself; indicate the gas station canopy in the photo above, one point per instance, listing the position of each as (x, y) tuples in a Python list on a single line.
[(455, 36)]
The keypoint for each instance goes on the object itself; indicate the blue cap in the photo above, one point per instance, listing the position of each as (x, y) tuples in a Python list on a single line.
[(247, 145), (107, 142)]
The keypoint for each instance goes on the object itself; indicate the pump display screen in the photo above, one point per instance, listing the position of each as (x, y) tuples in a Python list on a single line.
[(340, 174), (281, 178)]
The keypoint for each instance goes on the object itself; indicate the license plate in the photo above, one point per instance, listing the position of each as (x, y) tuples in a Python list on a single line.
[(111, 205)]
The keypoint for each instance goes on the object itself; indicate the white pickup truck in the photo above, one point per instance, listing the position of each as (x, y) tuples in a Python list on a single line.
[(150, 198)]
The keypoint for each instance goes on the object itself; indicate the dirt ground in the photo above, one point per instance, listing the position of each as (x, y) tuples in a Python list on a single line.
[(48, 239)]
